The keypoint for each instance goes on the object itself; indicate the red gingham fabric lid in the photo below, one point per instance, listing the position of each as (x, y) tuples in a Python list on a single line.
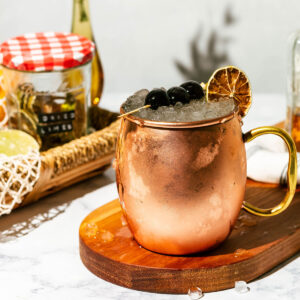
[(46, 51)]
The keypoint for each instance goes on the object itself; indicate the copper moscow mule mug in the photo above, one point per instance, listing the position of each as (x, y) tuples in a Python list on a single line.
[(182, 184)]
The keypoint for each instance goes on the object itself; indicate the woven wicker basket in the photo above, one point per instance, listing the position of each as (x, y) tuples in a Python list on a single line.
[(79, 159)]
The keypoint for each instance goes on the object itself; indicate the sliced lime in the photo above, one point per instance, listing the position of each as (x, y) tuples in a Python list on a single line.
[(14, 142)]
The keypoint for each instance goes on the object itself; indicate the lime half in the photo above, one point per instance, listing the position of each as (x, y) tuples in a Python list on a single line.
[(15, 142)]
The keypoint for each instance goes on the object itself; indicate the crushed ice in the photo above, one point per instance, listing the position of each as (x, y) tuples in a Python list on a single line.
[(196, 110)]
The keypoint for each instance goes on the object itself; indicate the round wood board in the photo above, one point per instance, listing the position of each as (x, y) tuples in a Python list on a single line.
[(255, 246)]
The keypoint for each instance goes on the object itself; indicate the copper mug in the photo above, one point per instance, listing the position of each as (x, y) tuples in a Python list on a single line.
[(182, 184)]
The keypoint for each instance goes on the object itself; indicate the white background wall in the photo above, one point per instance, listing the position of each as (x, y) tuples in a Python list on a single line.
[(140, 39)]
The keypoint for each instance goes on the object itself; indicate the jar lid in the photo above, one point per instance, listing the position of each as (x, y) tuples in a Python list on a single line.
[(46, 51)]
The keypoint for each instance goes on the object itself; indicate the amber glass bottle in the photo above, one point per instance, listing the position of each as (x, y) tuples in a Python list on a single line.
[(81, 24)]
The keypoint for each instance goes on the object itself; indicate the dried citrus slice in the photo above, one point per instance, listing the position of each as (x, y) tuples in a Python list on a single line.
[(14, 142), (3, 114), (230, 82)]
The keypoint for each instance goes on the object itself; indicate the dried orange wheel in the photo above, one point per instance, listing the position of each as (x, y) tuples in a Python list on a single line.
[(2, 115), (230, 82)]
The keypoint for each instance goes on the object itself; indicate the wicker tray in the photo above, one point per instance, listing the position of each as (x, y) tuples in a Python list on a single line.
[(79, 159)]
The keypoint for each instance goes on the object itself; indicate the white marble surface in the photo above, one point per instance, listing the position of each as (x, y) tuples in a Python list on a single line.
[(39, 257)]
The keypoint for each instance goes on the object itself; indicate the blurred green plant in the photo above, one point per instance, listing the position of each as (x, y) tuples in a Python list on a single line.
[(205, 62)]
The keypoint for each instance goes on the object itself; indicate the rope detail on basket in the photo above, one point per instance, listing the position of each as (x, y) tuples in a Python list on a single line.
[(83, 150)]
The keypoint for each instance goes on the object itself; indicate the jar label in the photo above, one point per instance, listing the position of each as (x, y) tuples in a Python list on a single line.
[(55, 128), (55, 122), (56, 117)]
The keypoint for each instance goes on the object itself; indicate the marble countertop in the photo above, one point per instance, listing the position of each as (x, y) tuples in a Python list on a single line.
[(39, 255)]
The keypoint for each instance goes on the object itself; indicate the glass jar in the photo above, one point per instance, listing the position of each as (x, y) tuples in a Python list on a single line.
[(50, 106), (292, 123), (47, 95)]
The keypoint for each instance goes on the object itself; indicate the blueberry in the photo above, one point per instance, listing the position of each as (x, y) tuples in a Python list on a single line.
[(178, 94), (156, 98), (194, 89)]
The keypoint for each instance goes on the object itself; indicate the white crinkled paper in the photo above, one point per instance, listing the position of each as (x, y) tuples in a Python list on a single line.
[(267, 160)]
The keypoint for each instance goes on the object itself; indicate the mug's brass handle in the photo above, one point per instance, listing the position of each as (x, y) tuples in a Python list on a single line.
[(291, 173)]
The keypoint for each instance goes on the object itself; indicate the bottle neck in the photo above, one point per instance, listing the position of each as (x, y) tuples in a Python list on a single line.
[(81, 22)]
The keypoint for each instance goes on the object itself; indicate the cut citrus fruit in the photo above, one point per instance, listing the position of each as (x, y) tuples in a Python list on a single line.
[(3, 114), (15, 142), (230, 82)]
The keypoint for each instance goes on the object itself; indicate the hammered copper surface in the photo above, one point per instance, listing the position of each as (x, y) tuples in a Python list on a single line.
[(181, 188)]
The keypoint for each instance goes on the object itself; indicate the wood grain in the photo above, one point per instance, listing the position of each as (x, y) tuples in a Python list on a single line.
[(108, 249), (55, 184)]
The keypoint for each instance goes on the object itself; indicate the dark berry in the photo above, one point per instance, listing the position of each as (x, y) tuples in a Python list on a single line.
[(194, 89), (156, 98), (178, 94)]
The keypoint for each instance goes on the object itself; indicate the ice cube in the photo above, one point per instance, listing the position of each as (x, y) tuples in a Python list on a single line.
[(240, 252), (241, 287), (195, 293), (91, 230)]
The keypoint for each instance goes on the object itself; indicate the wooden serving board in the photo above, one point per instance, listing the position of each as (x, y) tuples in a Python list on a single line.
[(256, 245)]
